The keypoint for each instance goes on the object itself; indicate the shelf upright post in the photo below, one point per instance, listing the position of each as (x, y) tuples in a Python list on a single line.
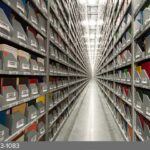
[(69, 18), (47, 67), (133, 76)]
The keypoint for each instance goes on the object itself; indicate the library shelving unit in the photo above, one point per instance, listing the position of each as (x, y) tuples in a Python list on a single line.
[(123, 73), (42, 67)]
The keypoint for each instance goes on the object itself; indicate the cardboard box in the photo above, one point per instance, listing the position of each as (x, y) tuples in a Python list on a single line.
[(8, 56), (20, 108)]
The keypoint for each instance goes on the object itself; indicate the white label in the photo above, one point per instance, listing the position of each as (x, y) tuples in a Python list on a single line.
[(148, 111), (4, 26), (25, 66), (34, 115), (42, 130), (138, 105), (2, 133), (33, 43), (42, 69), (20, 123), (44, 8), (24, 93), (12, 64), (34, 139), (20, 7), (11, 96), (35, 67), (137, 81), (34, 20), (21, 36), (34, 91), (42, 49), (44, 89), (145, 81), (43, 29), (42, 110)]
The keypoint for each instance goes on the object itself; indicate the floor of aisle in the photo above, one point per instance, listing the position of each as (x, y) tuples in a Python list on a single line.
[(91, 119)]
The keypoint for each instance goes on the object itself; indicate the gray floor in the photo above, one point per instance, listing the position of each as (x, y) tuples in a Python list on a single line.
[(91, 119)]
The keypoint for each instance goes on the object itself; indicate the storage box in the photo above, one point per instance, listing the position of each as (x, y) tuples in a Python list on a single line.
[(31, 38), (37, 2), (8, 56), (5, 26), (15, 122), (24, 58), (40, 107), (19, 32), (32, 136), (31, 113), (42, 88), (42, 23), (23, 91), (51, 118), (33, 89), (34, 66), (9, 95), (4, 133), (41, 43), (41, 128), (146, 17), (31, 14), (41, 64), (19, 5), (43, 6)]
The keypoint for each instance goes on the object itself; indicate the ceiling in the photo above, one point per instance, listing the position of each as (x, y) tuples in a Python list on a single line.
[(93, 12)]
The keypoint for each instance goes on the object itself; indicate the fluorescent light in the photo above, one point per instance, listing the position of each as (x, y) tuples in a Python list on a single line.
[(92, 2), (82, 2), (89, 22)]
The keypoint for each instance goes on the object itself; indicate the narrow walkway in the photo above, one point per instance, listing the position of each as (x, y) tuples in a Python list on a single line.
[(91, 120)]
